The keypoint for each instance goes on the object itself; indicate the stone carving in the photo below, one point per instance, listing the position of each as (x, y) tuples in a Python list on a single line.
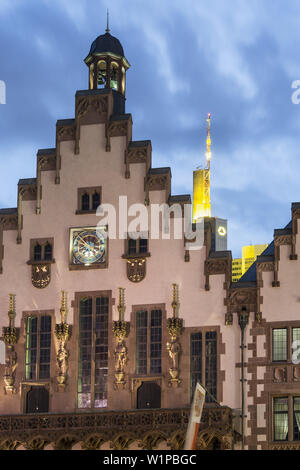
[(47, 162), (120, 331), (82, 427), (265, 266), (174, 325), (116, 129), (97, 104), (65, 133), (296, 374), (283, 240), (137, 155), (241, 296), (136, 269), (228, 319), (10, 336), (63, 334), (41, 275), (279, 374)]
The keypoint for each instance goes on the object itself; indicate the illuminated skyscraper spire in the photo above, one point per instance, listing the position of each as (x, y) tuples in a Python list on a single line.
[(208, 142), (201, 182)]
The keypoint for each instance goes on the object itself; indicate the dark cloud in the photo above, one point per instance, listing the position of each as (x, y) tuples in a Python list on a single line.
[(187, 59)]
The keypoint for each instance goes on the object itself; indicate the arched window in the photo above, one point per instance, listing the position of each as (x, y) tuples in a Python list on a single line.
[(114, 76), (123, 81), (95, 200), (101, 76), (92, 76), (85, 202), (48, 252), (37, 252)]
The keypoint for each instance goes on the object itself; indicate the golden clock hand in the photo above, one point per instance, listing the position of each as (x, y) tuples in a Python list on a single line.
[(84, 242)]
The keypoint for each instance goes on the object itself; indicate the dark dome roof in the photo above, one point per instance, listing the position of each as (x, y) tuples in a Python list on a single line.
[(107, 43)]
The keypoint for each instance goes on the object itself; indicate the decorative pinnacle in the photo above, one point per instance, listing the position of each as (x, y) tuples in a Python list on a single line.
[(121, 306), (63, 308), (175, 301), (12, 309), (107, 23), (208, 141)]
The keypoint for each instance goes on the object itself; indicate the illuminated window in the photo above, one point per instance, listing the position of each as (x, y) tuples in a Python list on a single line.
[(279, 344), (38, 347), (93, 352), (281, 419), (286, 418), (101, 76), (296, 418), (148, 341), (203, 362), (196, 360), (114, 76)]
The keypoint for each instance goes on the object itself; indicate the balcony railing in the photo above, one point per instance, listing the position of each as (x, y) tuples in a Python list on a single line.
[(18, 430)]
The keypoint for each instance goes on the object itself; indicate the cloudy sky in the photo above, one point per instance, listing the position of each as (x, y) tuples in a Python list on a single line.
[(236, 59)]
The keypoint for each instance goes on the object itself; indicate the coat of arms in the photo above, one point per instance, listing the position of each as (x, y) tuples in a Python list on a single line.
[(136, 269), (41, 275)]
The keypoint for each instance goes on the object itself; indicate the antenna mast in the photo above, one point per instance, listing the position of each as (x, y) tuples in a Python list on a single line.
[(208, 142)]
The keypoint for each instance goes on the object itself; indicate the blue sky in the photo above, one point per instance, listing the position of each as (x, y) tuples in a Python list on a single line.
[(236, 59)]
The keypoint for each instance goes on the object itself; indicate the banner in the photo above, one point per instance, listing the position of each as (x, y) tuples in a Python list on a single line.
[(195, 418)]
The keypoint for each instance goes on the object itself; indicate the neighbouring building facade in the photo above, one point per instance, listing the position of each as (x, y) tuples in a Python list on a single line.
[(249, 255), (106, 337)]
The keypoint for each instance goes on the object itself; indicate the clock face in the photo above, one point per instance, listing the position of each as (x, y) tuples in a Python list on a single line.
[(87, 247)]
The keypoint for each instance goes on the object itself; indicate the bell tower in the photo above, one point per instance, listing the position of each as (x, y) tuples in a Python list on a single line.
[(107, 67)]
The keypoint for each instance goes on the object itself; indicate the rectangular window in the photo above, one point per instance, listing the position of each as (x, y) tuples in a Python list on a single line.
[(41, 249), (88, 199), (281, 419), (148, 341), (296, 418), (295, 343), (196, 360), (211, 364), (38, 347), (141, 341), (93, 352), (279, 342), (155, 342), (137, 246), (203, 362)]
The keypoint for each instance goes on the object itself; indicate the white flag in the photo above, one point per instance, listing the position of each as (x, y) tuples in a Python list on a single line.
[(195, 417)]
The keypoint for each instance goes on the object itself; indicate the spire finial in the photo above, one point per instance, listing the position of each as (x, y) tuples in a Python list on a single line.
[(107, 23)]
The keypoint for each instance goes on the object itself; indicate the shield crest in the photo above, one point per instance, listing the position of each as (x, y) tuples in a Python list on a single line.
[(136, 269), (41, 275)]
